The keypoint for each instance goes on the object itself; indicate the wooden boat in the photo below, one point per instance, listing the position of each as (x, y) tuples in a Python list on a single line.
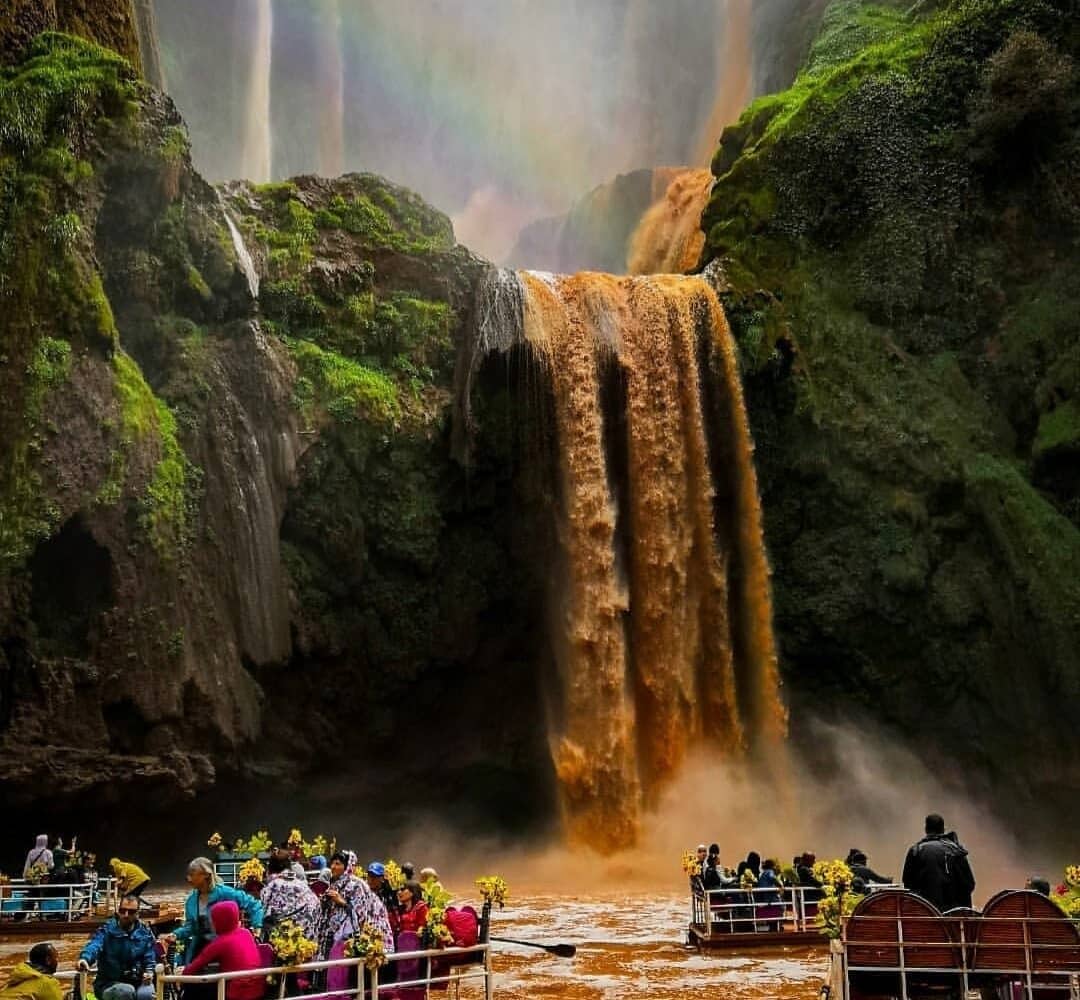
[(745, 919), (896, 944), (49, 910)]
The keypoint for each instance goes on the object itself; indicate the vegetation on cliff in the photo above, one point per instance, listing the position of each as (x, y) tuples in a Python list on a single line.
[(899, 231)]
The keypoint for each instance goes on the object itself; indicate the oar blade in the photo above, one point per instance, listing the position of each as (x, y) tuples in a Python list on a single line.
[(563, 950)]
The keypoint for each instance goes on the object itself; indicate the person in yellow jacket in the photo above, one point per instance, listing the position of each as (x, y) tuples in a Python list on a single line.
[(33, 979), (131, 880)]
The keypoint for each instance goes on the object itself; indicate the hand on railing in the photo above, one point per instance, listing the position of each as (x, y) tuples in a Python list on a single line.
[(83, 965)]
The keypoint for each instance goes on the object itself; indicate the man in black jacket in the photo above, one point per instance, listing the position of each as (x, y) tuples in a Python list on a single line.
[(937, 868)]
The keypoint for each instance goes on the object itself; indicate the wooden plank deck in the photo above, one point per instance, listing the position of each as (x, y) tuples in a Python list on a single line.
[(749, 940), (37, 927)]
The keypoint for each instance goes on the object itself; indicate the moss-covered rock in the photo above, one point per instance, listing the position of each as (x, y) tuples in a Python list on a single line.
[(213, 506), (899, 233)]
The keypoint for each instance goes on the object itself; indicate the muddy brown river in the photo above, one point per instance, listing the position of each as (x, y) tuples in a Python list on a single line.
[(629, 945)]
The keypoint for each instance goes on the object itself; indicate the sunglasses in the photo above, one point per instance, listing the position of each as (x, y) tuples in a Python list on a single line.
[(128, 913)]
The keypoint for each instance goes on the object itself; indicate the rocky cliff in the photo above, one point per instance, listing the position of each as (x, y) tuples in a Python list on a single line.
[(111, 23), (900, 233), (232, 540)]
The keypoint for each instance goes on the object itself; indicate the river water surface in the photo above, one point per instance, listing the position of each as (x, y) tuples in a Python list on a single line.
[(629, 945)]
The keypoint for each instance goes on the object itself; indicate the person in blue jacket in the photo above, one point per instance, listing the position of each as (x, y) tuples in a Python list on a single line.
[(196, 930), (123, 949)]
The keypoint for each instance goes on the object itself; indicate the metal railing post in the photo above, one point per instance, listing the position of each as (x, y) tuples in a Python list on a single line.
[(489, 989), (221, 989), (159, 982)]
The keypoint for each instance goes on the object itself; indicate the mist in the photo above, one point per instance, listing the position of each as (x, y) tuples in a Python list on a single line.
[(874, 796), (496, 111)]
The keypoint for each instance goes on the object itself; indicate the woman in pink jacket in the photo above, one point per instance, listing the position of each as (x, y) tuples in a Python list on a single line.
[(234, 949)]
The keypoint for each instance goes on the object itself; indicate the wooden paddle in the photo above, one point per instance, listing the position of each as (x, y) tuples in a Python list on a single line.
[(562, 950)]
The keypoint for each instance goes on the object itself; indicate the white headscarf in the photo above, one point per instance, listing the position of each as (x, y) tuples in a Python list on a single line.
[(39, 855)]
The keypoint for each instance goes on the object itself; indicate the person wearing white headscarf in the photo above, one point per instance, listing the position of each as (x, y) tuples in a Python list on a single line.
[(39, 855)]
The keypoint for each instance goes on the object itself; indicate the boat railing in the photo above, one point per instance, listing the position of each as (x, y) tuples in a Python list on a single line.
[(431, 969), (751, 911), (25, 900), (912, 950), (228, 872)]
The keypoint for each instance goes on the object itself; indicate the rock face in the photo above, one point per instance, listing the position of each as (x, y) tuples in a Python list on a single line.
[(899, 231), (108, 22), (232, 540)]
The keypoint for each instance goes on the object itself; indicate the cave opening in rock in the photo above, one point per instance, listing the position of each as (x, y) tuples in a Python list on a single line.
[(71, 586)]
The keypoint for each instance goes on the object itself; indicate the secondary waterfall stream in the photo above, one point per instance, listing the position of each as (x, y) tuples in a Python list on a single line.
[(663, 608)]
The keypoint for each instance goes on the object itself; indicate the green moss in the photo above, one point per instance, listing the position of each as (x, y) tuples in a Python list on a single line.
[(1060, 428), (64, 83), (343, 389), (145, 420), (138, 407), (175, 146), (25, 514), (197, 283), (165, 505)]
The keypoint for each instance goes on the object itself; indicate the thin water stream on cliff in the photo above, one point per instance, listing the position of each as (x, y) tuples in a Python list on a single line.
[(629, 945)]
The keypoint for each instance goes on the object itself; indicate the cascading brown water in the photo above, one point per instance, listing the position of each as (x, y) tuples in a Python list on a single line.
[(669, 238), (661, 606)]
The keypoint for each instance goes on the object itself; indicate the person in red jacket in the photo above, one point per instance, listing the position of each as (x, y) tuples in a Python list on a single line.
[(412, 912), (234, 949)]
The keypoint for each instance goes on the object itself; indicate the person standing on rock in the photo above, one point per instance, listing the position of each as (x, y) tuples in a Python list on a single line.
[(937, 868)]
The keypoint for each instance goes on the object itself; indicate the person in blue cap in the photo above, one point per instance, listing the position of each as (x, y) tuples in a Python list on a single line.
[(376, 880)]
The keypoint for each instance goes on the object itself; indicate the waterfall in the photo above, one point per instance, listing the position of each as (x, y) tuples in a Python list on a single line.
[(331, 90), (664, 638), (247, 265), (669, 239), (255, 160), (734, 84)]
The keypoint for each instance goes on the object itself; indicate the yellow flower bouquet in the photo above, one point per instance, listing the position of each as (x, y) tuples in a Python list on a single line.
[(690, 864), (291, 946), (493, 890), (367, 944), (436, 934), (252, 868), (395, 877)]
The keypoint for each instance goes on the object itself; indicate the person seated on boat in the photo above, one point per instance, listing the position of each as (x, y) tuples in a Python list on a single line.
[(713, 876), (39, 858), (130, 878), (1039, 885), (234, 950), (804, 872), (35, 979), (287, 896), (412, 910), (123, 949), (207, 889), (376, 880), (751, 864), (770, 882), (858, 863)]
